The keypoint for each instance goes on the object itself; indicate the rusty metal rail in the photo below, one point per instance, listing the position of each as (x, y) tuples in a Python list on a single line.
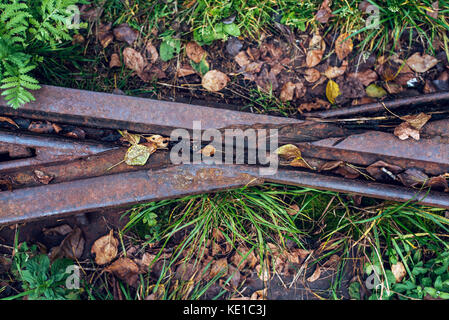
[(90, 175)]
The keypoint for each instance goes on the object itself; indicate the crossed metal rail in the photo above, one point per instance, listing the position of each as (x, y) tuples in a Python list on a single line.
[(90, 175)]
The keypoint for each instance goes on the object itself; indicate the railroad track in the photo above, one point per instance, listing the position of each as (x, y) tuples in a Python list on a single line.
[(87, 174)]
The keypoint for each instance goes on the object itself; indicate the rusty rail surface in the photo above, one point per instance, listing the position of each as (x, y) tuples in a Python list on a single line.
[(90, 175)]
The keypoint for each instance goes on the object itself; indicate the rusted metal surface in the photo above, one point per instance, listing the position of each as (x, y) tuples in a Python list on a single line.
[(90, 175), (43, 150), (381, 106), (123, 112)]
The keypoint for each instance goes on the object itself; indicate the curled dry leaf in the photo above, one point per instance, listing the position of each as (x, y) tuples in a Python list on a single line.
[(42, 177), (215, 80), (417, 121), (105, 34), (324, 13), (289, 152), (405, 130), (195, 52), (380, 170), (115, 61), (312, 75), (316, 275), (105, 248), (133, 60), (317, 46), (71, 247), (125, 269), (61, 230), (208, 151), (124, 32), (413, 178), (334, 72), (318, 104), (242, 59), (421, 63), (343, 46), (218, 267), (365, 77), (287, 91), (151, 52), (399, 271), (9, 120), (160, 141), (185, 70)]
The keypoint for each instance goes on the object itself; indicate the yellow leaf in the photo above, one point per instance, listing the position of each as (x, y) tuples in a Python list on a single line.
[(131, 138), (289, 151), (332, 91), (138, 154)]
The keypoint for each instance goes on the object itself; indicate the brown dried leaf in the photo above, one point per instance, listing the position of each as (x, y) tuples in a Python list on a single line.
[(347, 172), (105, 34), (242, 59), (421, 63), (405, 130), (343, 47), (417, 121), (195, 52), (71, 247), (61, 230), (105, 248), (133, 60), (115, 61), (438, 182), (185, 70), (217, 267), (413, 178), (160, 141), (215, 80), (124, 32), (243, 257), (380, 170), (125, 269), (312, 75), (151, 52), (293, 209), (365, 77), (399, 271), (324, 13), (331, 165), (9, 120), (42, 177), (317, 46), (147, 260), (316, 275), (288, 152), (318, 104), (287, 91), (334, 72)]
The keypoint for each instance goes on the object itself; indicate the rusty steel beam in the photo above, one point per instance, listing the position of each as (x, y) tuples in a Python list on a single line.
[(105, 110), (125, 189), (43, 149), (380, 106)]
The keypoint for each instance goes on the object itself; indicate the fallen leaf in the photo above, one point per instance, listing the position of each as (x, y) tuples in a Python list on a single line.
[(244, 257), (208, 151), (124, 32), (218, 267), (115, 61), (393, 88), (417, 121), (332, 91), (316, 275), (288, 152), (399, 271), (42, 177), (317, 46), (405, 130), (438, 182), (195, 52), (215, 80), (421, 63), (71, 247), (380, 170), (259, 294), (151, 52), (105, 248), (343, 47), (334, 72), (62, 230), (287, 92), (318, 104), (9, 120), (293, 209), (312, 75), (324, 13), (125, 269), (374, 91), (133, 60), (413, 178), (146, 261), (160, 141), (105, 34), (130, 137), (138, 154), (40, 127), (185, 70), (263, 272), (365, 77), (300, 90), (242, 59), (347, 172), (185, 271)]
